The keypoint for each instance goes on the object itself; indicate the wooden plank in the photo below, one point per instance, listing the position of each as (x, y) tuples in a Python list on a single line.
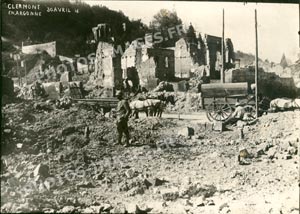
[(218, 90), (100, 102)]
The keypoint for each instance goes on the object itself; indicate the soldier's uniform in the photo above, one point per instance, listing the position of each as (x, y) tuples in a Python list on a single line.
[(123, 112)]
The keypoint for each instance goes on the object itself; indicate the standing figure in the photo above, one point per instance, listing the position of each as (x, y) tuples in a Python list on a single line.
[(237, 115), (123, 112)]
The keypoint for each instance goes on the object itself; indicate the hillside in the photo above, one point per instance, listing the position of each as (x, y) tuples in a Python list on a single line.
[(69, 30)]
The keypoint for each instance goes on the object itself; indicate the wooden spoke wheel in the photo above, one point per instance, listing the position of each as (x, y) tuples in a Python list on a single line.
[(218, 111), (250, 113)]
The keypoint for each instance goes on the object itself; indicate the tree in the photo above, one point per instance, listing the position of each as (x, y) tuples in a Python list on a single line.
[(165, 22)]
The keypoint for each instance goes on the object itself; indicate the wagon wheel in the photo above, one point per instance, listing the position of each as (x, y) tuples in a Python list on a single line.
[(250, 113), (219, 111)]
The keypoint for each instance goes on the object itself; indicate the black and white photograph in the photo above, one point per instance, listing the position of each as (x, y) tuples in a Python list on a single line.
[(150, 107)]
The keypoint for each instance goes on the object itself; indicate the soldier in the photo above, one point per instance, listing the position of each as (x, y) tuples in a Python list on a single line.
[(238, 114), (123, 112)]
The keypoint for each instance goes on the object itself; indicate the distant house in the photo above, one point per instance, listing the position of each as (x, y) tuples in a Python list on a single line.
[(108, 72), (190, 54), (145, 65)]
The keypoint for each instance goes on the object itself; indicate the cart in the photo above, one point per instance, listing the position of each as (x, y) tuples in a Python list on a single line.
[(100, 105), (220, 108)]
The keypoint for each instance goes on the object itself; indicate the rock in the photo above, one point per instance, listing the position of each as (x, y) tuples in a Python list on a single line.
[(272, 153), (98, 176), (241, 123), (130, 173), (86, 184), (267, 146), (285, 145), (210, 203), (24, 208), (158, 182), (89, 210), (218, 126), (106, 207), (198, 137), (42, 170), (47, 184), (243, 154), (48, 210), (67, 209), (95, 209), (7, 131), (188, 203), (223, 206), (198, 202), (135, 191), (170, 196), (120, 208), (292, 150), (260, 152), (147, 183), (288, 157), (154, 182), (186, 132), (142, 211), (68, 130), (7, 207), (225, 210), (19, 145)]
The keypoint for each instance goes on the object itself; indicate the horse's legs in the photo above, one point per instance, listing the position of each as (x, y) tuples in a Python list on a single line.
[(160, 113), (150, 111), (154, 111), (146, 112)]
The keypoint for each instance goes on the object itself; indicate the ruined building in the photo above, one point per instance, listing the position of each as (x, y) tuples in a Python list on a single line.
[(102, 32), (192, 52), (108, 72), (147, 66)]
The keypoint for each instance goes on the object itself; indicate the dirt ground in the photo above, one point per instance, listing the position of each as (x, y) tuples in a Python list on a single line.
[(56, 160)]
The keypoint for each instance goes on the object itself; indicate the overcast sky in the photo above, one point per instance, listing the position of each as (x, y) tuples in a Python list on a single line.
[(277, 23)]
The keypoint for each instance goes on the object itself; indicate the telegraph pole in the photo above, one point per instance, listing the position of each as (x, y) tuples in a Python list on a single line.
[(222, 70), (256, 65)]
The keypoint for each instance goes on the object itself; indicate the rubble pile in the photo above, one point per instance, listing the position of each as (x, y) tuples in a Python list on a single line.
[(184, 102), (66, 160)]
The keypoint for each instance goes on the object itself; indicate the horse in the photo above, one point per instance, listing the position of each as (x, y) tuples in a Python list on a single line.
[(140, 106), (153, 106), (159, 107), (284, 104)]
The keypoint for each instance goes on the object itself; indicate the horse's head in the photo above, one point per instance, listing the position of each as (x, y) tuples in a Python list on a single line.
[(170, 99)]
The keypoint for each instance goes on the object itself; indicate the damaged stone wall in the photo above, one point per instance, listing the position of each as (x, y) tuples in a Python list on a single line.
[(156, 65), (147, 73), (164, 60), (183, 59), (108, 72), (190, 55), (269, 84), (150, 64), (213, 54)]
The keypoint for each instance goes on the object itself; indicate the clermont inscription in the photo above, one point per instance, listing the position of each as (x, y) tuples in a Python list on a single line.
[(23, 9)]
